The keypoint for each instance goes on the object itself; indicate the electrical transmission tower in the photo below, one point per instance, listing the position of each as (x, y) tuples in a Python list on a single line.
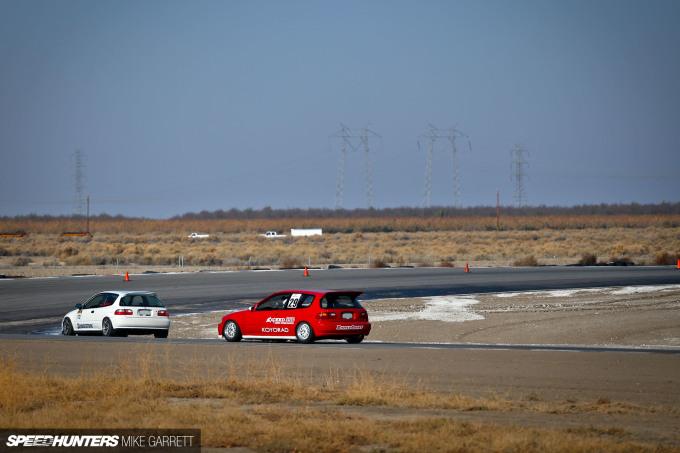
[(347, 136), (80, 179), (451, 134), (518, 164)]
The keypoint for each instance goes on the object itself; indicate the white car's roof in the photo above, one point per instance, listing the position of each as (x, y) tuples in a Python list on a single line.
[(126, 292)]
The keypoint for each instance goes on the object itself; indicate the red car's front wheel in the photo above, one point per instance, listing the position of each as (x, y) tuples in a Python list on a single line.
[(231, 331)]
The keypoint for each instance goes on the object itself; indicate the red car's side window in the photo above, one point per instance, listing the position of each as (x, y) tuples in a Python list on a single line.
[(306, 300), (299, 300), (286, 302), (277, 302)]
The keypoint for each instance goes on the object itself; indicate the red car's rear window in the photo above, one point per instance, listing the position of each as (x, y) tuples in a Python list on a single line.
[(341, 301)]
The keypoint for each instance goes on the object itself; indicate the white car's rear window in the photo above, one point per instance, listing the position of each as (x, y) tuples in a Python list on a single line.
[(141, 300)]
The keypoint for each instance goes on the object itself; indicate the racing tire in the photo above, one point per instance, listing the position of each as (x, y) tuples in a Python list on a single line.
[(107, 328), (304, 333), (355, 339), (67, 327), (231, 331), (161, 334)]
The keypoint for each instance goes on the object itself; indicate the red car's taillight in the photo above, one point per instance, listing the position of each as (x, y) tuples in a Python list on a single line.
[(363, 314), (163, 313), (123, 311), (326, 315)]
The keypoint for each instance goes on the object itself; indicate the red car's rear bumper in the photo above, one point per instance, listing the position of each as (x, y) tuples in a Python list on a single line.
[(341, 329)]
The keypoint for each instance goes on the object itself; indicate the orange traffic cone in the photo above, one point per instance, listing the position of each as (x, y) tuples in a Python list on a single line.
[(467, 269), (306, 273), (127, 277), (678, 263)]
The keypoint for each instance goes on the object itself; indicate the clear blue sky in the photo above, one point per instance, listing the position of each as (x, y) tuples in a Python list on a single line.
[(184, 106)]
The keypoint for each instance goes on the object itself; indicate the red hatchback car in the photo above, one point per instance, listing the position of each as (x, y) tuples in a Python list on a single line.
[(304, 316)]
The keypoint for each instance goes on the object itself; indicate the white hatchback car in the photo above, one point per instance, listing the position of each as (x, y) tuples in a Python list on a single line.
[(113, 313)]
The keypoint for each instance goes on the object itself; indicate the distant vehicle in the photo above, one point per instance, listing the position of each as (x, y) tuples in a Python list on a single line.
[(119, 313), (273, 234), (304, 316), (306, 232), (196, 236)]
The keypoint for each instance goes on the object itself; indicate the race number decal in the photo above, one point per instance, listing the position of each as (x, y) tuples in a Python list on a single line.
[(294, 300)]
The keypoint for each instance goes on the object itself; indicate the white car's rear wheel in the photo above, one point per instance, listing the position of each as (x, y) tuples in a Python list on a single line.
[(107, 328)]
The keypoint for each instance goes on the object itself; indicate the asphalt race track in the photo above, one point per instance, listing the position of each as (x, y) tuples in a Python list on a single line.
[(648, 377), (27, 305)]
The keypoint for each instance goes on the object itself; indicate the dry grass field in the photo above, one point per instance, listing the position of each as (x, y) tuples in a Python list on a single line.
[(264, 405), (260, 405), (161, 245)]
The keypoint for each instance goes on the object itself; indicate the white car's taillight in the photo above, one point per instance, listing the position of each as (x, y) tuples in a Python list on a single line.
[(123, 311), (163, 313)]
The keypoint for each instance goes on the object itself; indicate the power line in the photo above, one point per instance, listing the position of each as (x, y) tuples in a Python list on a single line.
[(451, 134), (345, 134), (80, 179), (518, 164)]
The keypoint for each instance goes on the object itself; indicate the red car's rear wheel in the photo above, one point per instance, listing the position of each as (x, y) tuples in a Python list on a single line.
[(304, 333)]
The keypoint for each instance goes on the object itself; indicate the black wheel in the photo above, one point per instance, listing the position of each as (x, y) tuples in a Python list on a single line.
[(107, 328), (304, 333), (231, 331), (355, 339), (161, 334), (67, 327)]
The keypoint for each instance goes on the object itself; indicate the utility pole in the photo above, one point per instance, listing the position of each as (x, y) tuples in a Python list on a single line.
[(346, 136), (518, 165), (451, 134), (88, 214), (80, 180), (343, 134), (498, 210)]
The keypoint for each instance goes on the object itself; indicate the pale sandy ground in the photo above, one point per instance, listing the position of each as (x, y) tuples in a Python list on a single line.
[(639, 317), (644, 316)]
